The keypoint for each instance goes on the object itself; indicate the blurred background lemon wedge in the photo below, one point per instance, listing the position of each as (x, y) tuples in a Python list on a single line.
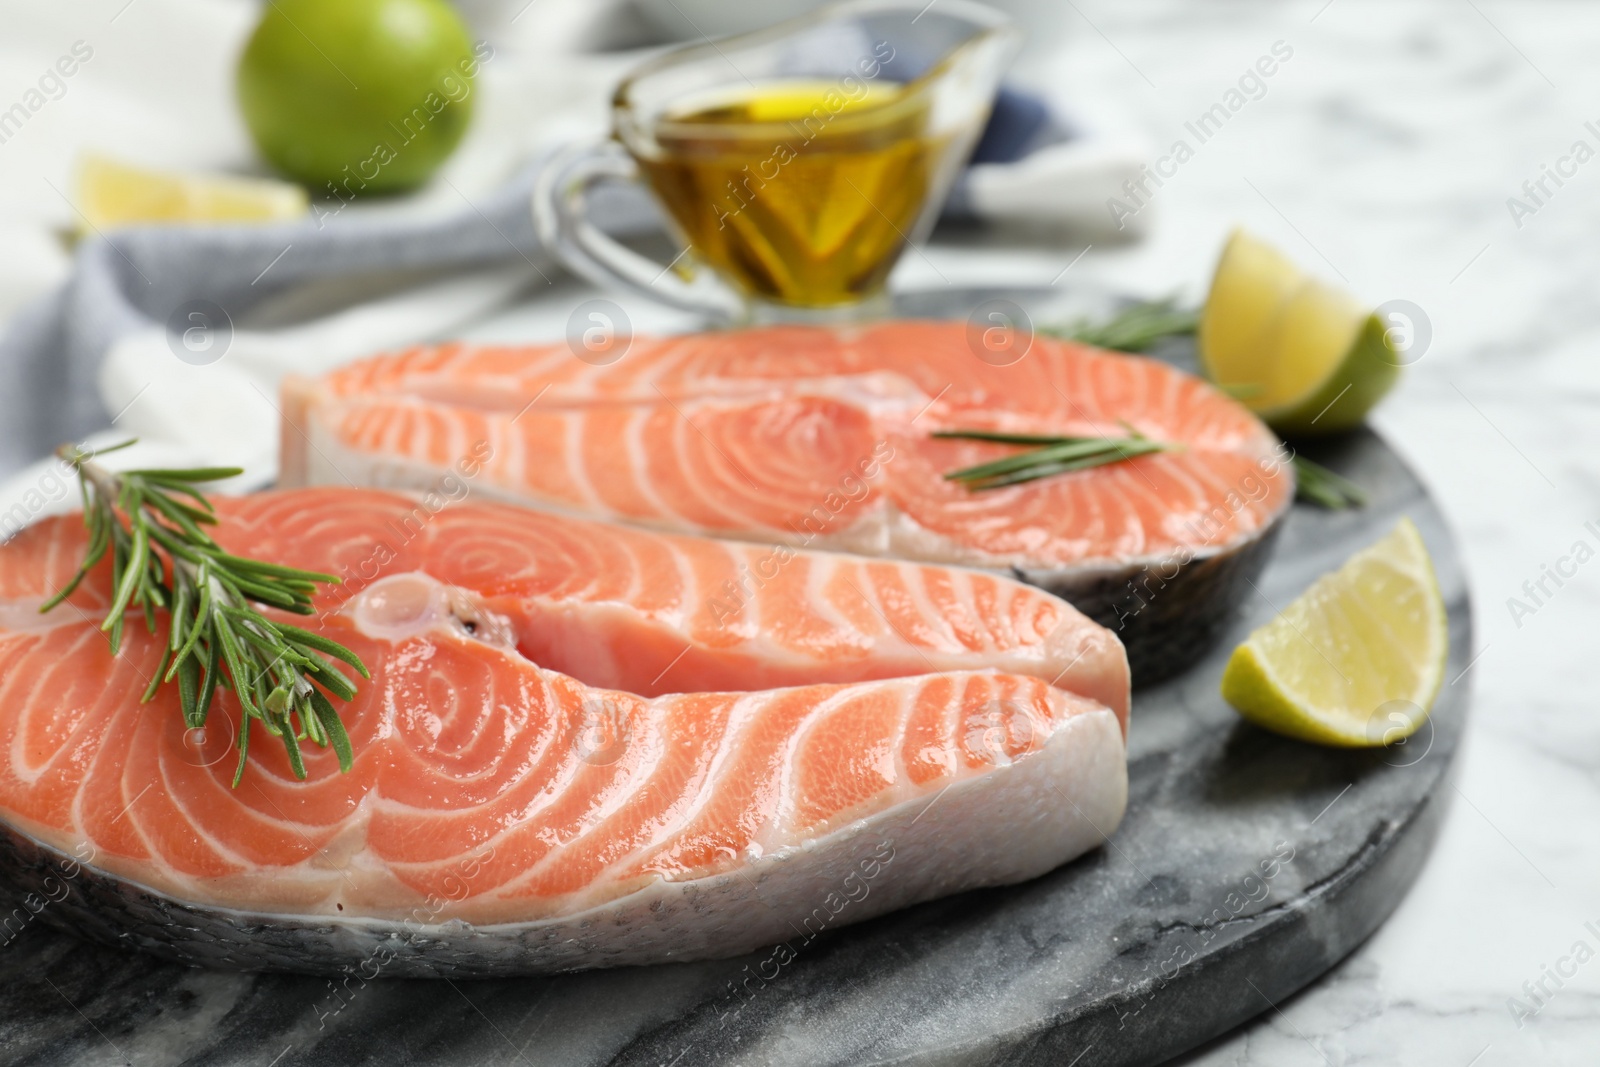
[(111, 194)]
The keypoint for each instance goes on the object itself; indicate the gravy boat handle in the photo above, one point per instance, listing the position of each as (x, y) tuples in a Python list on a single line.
[(561, 209)]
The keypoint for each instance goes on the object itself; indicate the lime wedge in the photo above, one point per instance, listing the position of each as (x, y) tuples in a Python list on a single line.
[(116, 194), (1303, 355), (1357, 660), (1252, 281)]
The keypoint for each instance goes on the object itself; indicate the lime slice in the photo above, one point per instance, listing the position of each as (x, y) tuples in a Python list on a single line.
[(1356, 661), (1303, 355), (115, 194)]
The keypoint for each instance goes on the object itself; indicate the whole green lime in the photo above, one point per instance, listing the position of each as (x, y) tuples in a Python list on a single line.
[(358, 96)]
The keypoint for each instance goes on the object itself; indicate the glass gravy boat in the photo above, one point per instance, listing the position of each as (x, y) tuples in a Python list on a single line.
[(794, 164)]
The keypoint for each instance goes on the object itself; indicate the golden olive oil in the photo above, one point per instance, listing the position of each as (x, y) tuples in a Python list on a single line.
[(803, 192)]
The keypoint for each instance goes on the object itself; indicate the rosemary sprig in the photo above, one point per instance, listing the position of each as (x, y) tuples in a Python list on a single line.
[(1316, 484), (1049, 456), (150, 521), (1136, 327)]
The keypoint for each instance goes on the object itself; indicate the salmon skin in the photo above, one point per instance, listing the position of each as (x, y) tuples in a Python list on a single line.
[(823, 438), (566, 756)]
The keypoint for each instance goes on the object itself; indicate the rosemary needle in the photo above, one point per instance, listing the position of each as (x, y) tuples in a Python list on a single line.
[(1050, 456), (1134, 328), (1316, 484), (151, 523)]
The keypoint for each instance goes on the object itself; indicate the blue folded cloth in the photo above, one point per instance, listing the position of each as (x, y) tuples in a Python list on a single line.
[(1018, 124)]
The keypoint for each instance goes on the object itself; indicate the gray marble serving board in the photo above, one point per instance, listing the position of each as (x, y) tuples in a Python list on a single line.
[(1247, 866)]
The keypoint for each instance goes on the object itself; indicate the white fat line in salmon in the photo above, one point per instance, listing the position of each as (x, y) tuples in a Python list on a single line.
[(1000, 726), (607, 727), (1250, 489), (813, 523), (451, 487), (414, 925), (52, 890), (750, 581), (853, 889), (1256, 888)]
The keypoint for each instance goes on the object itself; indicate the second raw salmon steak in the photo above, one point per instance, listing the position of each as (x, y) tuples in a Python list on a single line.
[(582, 745), (824, 438)]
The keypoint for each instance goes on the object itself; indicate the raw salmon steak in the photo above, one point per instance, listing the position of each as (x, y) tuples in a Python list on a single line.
[(582, 745), (823, 438)]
